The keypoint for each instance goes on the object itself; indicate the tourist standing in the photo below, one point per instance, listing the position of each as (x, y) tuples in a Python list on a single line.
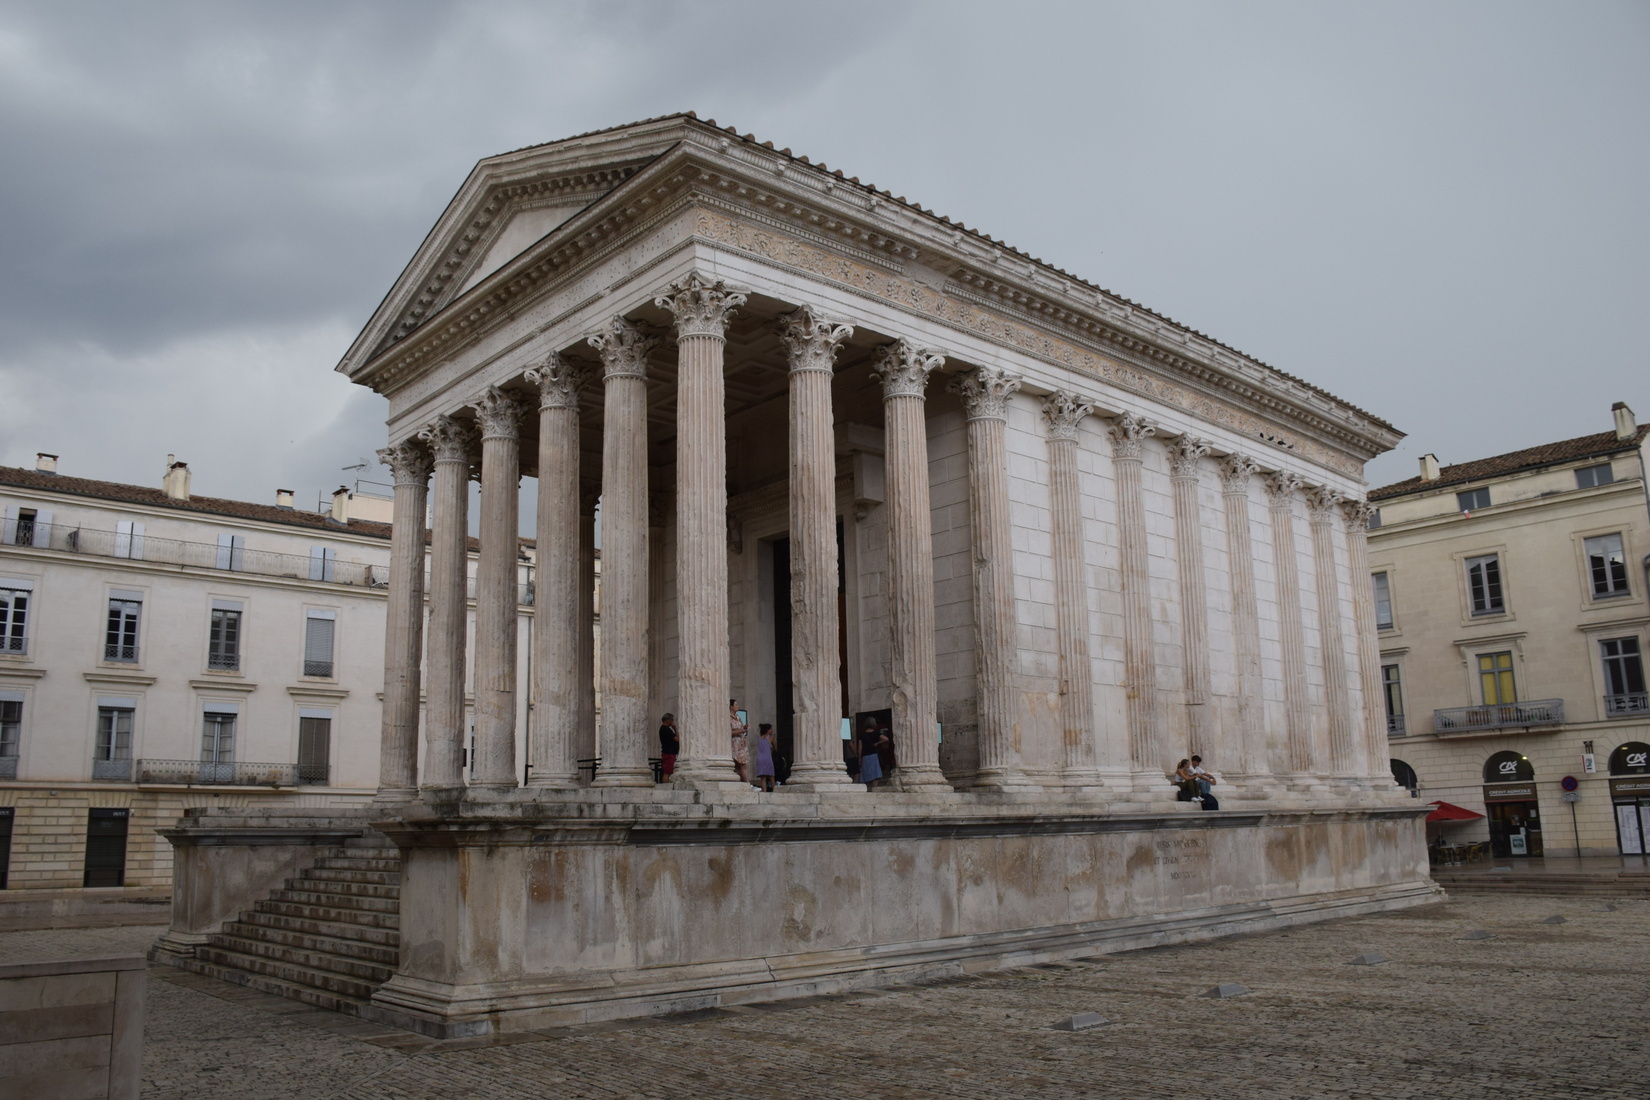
[(765, 753), (737, 731), (870, 762), (670, 744)]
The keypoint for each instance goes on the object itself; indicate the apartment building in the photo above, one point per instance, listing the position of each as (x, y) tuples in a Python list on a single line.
[(1512, 610)]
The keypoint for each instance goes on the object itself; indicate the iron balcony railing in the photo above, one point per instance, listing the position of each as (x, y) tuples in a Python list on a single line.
[(1394, 725), (1495, 716), (118, 771), (1622, 706), (111, 544), (237, 773), (8, 767)]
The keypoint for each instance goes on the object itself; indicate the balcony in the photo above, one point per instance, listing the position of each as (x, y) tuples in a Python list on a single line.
[(200, 773), (1394, 725), (109, 544), (8, 767), (1456, 721), (1632, 705), (114, 771)]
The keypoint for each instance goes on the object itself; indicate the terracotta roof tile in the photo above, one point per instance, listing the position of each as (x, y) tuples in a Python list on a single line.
[(1530, 458)]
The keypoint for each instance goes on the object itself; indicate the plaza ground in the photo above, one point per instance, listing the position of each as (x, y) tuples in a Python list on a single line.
[(1536, 1010)]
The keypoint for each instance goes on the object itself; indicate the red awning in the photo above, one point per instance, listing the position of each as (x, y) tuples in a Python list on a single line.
[(1449, 811)]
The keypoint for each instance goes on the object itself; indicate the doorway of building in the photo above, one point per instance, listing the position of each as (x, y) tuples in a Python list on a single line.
[(1515, 828), (1630, 797), (106, 847)]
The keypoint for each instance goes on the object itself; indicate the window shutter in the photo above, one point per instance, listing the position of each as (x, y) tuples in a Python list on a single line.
[(43, 528), (317, 563), (9, 534), (129, 539), (226, 551), (318, 634)]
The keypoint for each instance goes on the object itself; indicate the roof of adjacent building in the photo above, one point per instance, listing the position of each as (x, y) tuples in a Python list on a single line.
[(156, 498), (1597, 445)]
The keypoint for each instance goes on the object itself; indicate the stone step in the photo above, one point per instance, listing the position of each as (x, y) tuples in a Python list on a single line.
[(358, 863), (1543, 884), (345, 946), (307, 960), (376, 840), (341, 899), (321, 911), (366, 934), (292, 991), (351, 877), (326, 981)]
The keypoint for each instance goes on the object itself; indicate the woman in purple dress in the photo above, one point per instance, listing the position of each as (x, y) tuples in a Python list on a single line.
[(764, 756)]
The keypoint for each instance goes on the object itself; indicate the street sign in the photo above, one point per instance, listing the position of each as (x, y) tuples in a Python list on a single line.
[(1569, 783), (1571, 796)]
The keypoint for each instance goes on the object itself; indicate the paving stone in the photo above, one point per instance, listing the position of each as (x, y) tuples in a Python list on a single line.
[(1479, 934), (1373, 958), (1082, 1021), (1555, 919)]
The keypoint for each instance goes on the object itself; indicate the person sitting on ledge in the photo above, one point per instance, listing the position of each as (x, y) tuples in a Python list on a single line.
[(1205, 779), (1186, 782)]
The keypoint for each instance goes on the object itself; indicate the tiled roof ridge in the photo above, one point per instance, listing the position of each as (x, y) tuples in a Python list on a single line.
[(957, 225), (1527, 458)]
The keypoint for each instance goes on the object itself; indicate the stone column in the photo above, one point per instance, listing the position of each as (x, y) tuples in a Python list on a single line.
[(444, 725), (812, 342), (702, 310), (1063, 412), (1147, 753), (913, 674), (1344, 749), (499, 415), (586, 744), (1184, 455), (1378, 754), (409, 463), (625, 734), (1280, 495), (985, 392), (1253, 762), (553, 735)]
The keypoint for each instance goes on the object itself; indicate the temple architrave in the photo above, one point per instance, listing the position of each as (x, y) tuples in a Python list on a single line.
[(853, 460)]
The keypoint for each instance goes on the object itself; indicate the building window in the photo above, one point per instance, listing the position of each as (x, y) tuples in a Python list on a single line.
[(218, 744), (1495, 678), (1484, 585), (11, 733), (1623, 677), (319, 627), (322, 563), (1404, 776), (24, 535), (129, 539), (223, 650), (1606, 566), (1374, 520), (113, 757), (1383, 600), (1473, 499), (231, 552), (14, 615), (1392, 688), (314, 747), (121, 638), (1590, 477), (27, 527)]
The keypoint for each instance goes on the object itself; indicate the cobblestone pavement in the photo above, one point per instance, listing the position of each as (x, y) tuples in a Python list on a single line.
[(1536, 1010)]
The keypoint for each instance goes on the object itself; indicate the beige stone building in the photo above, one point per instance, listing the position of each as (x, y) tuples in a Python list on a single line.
[(1511, 601)]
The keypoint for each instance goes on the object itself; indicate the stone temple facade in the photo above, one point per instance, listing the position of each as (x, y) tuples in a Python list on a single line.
[(851, 457)]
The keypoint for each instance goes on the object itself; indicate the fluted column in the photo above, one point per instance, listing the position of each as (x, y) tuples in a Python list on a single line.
[(1280, 496), (1184, 455), (499, 415), (1062, 412), (1254, 761), (1344, 748), (1377, 753), (1147, 753), (702, 309), (625, 733), (985, 392), (586, 743), (409, 463), (812, 342), (552, 735), (914, 676), (444, 727)]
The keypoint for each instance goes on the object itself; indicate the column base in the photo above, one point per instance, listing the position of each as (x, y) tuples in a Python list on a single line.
[(819, 777), (624, 777), (926, 778), (1082, 780), (1004, 779), (390, 796), (555, 782)]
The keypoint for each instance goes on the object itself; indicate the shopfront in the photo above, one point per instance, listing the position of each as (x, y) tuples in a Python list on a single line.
[(1511, 805), (1630, 797)]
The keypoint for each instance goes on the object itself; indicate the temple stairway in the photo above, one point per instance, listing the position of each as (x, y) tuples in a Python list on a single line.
[(329, 938)]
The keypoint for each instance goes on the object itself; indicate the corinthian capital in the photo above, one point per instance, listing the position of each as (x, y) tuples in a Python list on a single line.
[(1235, 471), (1321, 503), (1062, 412), (623, 346), (701, 307), (408, 460), (1280, 487), (1127, 433), (449, 438), (559, 381), (499, 413), (985, 392), (812, 340), (1358, 513), (1184, 454), (904, 368)]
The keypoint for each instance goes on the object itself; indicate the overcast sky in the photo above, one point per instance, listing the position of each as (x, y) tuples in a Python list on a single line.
[(1437, 211)]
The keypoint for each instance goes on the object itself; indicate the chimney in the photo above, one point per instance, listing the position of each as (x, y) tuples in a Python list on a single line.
[(283, 498), (1627, 425), (340, 504), (1429, 467), (176, 482), (47, 464)]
